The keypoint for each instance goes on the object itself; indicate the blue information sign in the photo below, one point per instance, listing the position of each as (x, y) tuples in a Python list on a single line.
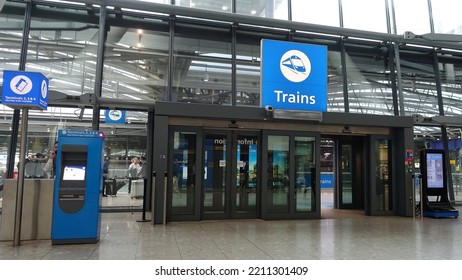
[(115, 116), (80, 133), (25, 89), (293, 76)]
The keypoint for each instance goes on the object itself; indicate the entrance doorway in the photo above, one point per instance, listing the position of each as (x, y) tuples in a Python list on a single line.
[(235, 174), (343, 172), (356, 173), (230, 186), (350, 173), (290, 175)]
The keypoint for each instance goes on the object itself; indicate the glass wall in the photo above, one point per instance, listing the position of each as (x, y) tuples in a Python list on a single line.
[(368, 78), (455, 160), (418, 84), (411, 15), (215, 5), (446, 16), (247, 73), (354, 15), (335, 79), (277, 9), (324, 12), (248, 65), (450, 71), (64, 50), (202, 66), (136, 60)]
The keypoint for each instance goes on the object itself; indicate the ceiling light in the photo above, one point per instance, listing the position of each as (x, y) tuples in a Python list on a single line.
[(224, 8), (253, 12)]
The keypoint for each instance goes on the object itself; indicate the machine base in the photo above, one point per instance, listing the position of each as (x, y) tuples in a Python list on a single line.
[(441, 214)]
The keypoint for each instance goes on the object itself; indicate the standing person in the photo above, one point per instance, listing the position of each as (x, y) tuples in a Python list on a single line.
[(106, 186), (133, 171), (142, 170), (134, 168), (50, 166)]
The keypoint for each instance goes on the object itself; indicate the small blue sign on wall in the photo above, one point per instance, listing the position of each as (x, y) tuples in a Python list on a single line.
[(115, 116), (293, 76), (25, 89)]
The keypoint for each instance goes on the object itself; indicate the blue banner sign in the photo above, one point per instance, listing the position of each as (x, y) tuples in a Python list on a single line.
[(327, 180), (80, 133), (115, 116), (293, 76), (25, 89)]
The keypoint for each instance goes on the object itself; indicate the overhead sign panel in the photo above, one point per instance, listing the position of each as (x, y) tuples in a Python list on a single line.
[(115, 116), (25, 89), (293, 76)]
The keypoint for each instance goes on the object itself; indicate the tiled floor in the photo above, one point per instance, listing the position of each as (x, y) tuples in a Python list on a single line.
[(340, 235)]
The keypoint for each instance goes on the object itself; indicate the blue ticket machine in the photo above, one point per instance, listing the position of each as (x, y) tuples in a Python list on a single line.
[(78, 187)]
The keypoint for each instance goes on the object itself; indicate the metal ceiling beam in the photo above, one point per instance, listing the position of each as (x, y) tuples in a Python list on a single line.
[(268, 22), (53, 26)]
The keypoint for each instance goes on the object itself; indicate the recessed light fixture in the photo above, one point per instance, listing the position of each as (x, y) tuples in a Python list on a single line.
[(224, 8), (253, 12)]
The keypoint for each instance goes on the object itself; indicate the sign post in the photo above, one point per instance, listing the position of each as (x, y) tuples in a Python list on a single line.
[(23, 90)]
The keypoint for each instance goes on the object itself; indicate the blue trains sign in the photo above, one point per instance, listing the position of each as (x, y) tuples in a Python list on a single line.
[(293, 76), (115, 116)]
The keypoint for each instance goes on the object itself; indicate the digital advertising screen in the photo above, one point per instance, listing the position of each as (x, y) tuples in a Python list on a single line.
[(435, 170)]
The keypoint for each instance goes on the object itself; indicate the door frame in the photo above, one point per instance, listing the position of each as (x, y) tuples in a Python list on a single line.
[(231, 136), (358, 177), (195, 216), (292, 213), (364, 195), (233, 212), (371, 203)]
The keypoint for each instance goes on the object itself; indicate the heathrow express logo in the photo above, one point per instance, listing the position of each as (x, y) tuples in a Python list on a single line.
[(295, 66), (115, 115)]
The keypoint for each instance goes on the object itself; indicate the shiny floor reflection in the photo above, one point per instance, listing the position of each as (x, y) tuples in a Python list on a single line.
[(339, 235)]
